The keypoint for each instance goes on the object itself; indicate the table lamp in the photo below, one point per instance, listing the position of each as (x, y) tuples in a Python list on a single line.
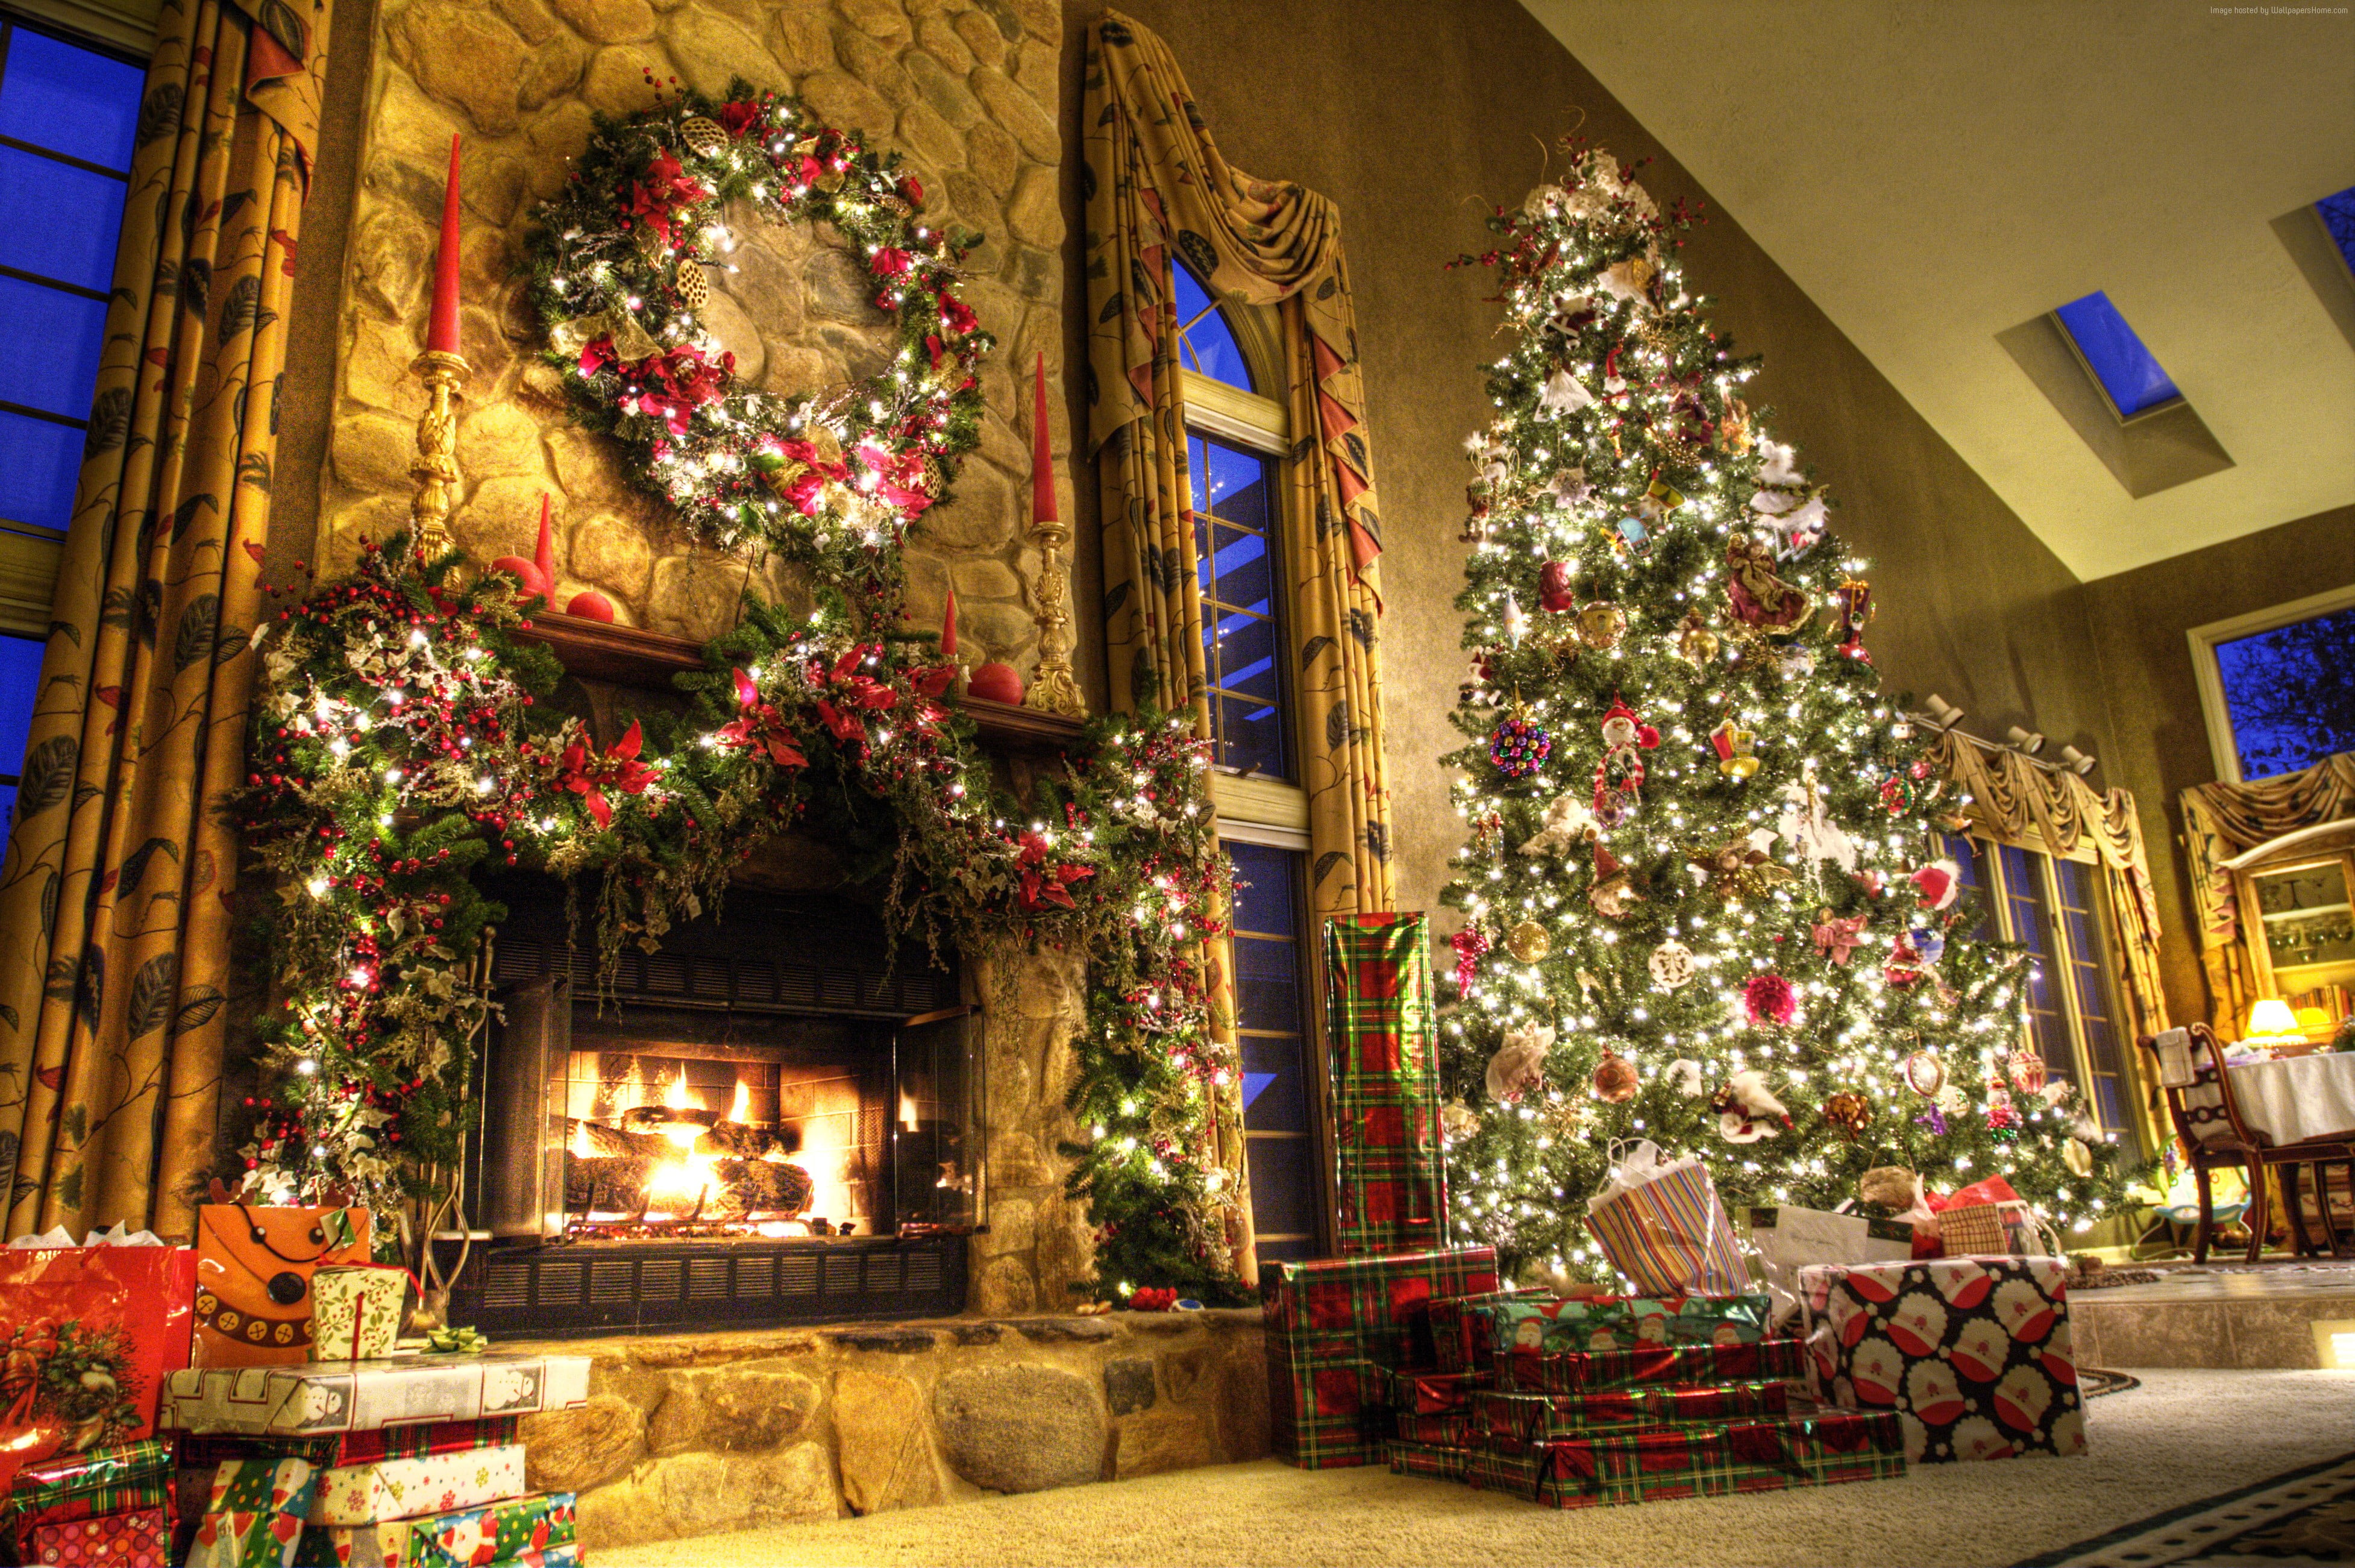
[(2271, 1022)]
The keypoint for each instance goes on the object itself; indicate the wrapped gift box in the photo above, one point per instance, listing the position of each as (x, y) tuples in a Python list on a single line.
[(122, 1480), (1439, 1463), (331, 1450), (359, 1396), (355, 1310), (1444, 1431), (1383, 1023), (428, 1484), (1972, 1354), (535, 1529), (1526, 1371), (255, 1514), (1545, 1417), (1626, 1322), (1660, 1464), (1461, 1339), (1336, 1328), (1433, 1393), (132, 1538)]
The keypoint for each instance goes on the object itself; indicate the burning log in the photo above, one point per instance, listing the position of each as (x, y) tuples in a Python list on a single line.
[(605, 1184), (738, 1140), (656, 1118), (595, 1139), (764, 1185)]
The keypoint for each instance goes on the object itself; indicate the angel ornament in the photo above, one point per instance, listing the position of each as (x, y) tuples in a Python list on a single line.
[(1807, 826), (1566, 825), (1761, 599)]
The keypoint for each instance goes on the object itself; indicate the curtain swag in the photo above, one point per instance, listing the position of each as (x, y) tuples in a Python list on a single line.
[(2222, 820), (114, 896), (1157, 188)]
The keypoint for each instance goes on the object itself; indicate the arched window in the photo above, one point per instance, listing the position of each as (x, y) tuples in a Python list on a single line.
[(1206, 343)]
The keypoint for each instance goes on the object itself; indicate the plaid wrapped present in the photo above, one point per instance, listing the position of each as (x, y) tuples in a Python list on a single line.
[(1335, 1328), (1384, 1030), (1660, 1464), (329, 1450), (1461, 1339), (1444, 1431), (120, 1479), (1439, 1462), (1545, 1323), (355, 1396), (509, 1532), (1435, 1393), (132, 1538), (1526, 1371), (1544, 1417), (428, 1484), (255, 1514), (1972, 1354)]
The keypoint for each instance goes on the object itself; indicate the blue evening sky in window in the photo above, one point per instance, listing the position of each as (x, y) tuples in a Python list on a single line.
[(2338, 213), (1205, 343), (2127, 371), (20, 680), (2286, 692)]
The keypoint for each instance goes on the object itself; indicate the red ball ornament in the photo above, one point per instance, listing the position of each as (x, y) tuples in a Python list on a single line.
[(590, 606), (1615, 1080), (524, 573), (995, 682)]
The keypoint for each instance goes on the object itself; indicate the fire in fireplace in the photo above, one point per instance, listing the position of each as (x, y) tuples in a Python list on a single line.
[(759, 1120)]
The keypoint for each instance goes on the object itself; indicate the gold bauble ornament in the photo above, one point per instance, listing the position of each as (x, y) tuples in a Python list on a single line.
[(694, 288), (1529, 941), (702, 135), (1602, 623), (1849, 1111), (1924, 1075), (2078, 1157), (1696, 644)]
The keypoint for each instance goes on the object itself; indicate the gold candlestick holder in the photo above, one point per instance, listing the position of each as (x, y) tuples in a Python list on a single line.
[(1053, 689), (436, 467)]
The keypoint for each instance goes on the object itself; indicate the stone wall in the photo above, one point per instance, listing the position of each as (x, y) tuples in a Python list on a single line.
[(965, 89), (690, 1436)]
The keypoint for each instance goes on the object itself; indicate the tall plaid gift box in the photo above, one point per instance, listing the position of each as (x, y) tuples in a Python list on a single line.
[(255, 1515), (1336, 1328), (427, 1484), (357, 1396), (535, 1529), (1972, 1354), (1380, 1013)]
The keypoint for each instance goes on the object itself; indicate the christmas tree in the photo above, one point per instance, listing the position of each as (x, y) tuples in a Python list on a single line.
[(1706, 893)]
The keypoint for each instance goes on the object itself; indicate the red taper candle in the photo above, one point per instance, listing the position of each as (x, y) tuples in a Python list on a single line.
[(442, 335), (544, 556), (1042, 459), (948, 628)]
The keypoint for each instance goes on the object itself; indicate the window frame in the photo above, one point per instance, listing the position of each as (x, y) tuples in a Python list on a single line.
[(1994, 889), (2222, 749)]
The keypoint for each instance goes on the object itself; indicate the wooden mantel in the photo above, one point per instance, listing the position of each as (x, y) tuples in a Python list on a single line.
[(627, 655)]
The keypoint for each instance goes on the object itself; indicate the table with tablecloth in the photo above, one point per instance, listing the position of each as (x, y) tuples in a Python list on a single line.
[(2295, 1098)]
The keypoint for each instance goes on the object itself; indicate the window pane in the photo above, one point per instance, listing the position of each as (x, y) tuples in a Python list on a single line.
[(2128, 372), (69, 99), (1238, 486), (1207, 344), (1283, 1185), (2048, 1025), (1964, 851), (1238, 570), (2097, 1013), (1274, 1098), (1250, 735), (69, 330), (2288, 696), (1277, 1059), (1263, 898), (62, 220), (1244, 649), (38, 462), (1241, 638), (20, 676)]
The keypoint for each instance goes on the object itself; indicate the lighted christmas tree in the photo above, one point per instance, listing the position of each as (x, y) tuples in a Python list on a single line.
[(1706, 894)]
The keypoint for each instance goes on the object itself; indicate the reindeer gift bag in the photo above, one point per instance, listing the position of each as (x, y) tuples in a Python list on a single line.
[(254, 1265)]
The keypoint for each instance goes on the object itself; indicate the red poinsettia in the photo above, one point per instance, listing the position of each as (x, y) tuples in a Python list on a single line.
[(890, 261), (657, 196), (760, 727), (851, 695), (589, 776), (1044, 880), (670, 387), (740, 118), (897, 480), (929, 683), (957, 316)]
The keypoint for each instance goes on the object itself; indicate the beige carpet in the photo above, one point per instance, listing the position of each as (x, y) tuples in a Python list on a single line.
[(2181, 1436)]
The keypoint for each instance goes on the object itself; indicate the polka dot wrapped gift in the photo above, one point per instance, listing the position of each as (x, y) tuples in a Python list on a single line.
[(1972, 1354)]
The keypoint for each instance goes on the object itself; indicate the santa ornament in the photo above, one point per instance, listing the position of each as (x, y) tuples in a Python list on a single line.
[(1747, 1110), (1940, 884), (1555, 592), (1619, 776), (1614, 892)]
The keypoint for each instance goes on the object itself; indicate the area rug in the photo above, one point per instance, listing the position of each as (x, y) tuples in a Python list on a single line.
[(2306, 1516)]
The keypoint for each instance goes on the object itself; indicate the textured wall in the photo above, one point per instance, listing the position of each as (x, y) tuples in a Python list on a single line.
[(1412, 113), (2159, 748), (966, 92)]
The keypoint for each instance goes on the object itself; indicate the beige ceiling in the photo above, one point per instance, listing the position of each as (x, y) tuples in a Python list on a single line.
[(1934, 172)]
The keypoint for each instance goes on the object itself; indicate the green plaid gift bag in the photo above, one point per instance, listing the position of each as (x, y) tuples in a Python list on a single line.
[(1384, 1029)]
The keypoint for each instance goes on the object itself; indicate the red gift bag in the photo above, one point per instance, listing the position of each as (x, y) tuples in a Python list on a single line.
[(254, 1263), (86, 1336)]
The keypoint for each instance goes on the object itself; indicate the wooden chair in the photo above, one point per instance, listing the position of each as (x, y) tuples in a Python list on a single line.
[(2207, 1118)]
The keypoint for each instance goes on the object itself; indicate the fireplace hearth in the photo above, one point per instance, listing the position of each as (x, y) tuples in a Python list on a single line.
[(765, 1121)]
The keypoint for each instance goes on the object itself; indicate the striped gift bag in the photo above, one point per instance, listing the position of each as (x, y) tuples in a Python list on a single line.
[(1663, 1226)]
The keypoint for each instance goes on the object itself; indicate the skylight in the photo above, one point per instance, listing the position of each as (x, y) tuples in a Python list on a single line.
[(2338, 215), (2133, 378)]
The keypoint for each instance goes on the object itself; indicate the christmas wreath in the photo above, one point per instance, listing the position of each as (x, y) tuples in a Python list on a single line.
[(831, 479)]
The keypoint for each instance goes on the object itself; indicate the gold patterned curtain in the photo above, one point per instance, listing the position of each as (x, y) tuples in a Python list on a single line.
[(2222, 820), (114, 893), (2013, 799)]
